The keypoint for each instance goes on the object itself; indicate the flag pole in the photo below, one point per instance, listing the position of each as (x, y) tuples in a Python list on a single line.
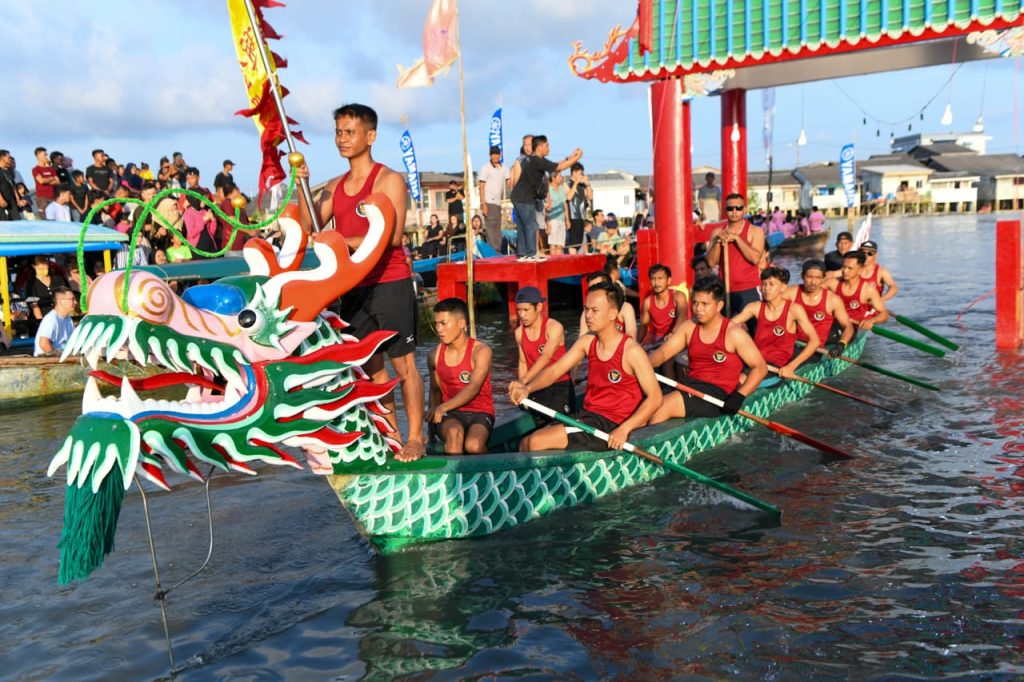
[(467, 179), (275, 91)]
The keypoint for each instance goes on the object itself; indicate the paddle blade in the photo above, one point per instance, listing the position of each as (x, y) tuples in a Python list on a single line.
[(907, 341), (894, 375), (808, 440), (926, 332), (739, 495)]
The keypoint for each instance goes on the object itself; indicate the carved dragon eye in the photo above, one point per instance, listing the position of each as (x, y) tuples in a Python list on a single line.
[(252, 321)]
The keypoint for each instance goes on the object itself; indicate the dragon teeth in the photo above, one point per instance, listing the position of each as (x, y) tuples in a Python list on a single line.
[(92, 356), (91, 395)]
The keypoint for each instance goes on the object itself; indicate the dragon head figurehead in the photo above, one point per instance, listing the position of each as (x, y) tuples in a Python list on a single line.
[(244, 366)]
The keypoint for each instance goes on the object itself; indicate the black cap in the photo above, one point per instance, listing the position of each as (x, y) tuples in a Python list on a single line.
[(495, 149), (228, 162), (844, 235), (869, 245), (529, 295)]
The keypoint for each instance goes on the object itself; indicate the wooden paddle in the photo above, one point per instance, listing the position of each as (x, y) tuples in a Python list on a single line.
[(725, 275), (925, 331), (881, 370), (743, 497), (774, 426), (833, 389), (907, 341)]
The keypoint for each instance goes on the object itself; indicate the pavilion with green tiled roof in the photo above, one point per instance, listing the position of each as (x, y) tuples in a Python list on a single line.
[(698, 47)]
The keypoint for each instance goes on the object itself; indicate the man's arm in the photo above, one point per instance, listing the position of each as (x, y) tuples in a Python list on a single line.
[(635, 360), (757, 368), (90, 179), (645, 318), (435, 385), (874, 299), (321, 201), (885, 278), (629, 320), (682, 308), (521, 367), (752, 250), (838, 310), (574, 356), (483, 202), (797, 312), (513, 175), (749, 312), (569, 161), (554, 337), (714, 252), (673, 344), (393, 185)]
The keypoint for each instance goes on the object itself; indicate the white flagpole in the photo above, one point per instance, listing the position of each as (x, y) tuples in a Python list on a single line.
[(467, 180)]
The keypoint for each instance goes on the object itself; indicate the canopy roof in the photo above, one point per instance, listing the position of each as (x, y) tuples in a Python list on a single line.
[(752, 43), (31, 237)]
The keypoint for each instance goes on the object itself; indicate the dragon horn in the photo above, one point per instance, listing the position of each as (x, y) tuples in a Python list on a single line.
[(309, 292), (260, 255)]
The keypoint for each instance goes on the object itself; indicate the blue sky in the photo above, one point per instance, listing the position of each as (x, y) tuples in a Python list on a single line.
[(145, 78)]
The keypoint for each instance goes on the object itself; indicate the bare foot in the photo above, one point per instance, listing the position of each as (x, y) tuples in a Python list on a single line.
[(411, 451)]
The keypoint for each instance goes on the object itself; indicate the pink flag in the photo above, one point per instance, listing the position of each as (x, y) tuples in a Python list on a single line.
[(440, 46)]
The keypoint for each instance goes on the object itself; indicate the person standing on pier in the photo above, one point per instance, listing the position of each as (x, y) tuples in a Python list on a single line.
[(531, 186), (744, 244), (492, 179), (385, 299), (541, 341), (709, 199)]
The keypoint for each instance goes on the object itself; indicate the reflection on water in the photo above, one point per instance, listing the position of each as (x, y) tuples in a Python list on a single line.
[(905, 561)]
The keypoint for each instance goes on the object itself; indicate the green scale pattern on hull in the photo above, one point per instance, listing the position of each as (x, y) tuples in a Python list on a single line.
[(472, 496)]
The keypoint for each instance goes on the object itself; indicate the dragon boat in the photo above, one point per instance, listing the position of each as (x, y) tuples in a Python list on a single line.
[(268, 374)]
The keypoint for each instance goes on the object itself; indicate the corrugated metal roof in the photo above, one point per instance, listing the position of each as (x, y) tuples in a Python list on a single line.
[(692, 36)]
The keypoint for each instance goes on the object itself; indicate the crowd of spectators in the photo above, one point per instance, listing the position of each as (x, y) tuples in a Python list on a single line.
[(62, 192)]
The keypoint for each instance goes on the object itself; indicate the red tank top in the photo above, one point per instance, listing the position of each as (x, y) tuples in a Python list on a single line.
[(873, 280), (854, 308), (712, 363), (392, 266), (611, 392), (743, 274), (453, 378), (773, 338), (821, 318), (533, 349), (662, 319)]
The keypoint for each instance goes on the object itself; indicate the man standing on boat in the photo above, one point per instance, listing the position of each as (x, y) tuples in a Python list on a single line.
[(744, 244), (859, 297), (622, 392), (877, 275), (778, 321), (718, 351), (541, 341), (826, 310), (385, 299), (461, 402)]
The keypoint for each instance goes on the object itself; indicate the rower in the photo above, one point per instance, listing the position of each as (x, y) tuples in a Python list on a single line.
[(626, 321), (662, 308), (826, 310), (718, 350), (541, 341), (834, 259), (857, 295), (701, 269), (460, 382), (622, 392), (877, 275), (778, 321), (745, 245)]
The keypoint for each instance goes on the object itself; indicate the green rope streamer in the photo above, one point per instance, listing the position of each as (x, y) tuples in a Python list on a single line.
[(149, 207)]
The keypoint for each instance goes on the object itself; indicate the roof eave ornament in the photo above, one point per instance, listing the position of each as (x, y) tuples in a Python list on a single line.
[(1008, 43), (600, 64)]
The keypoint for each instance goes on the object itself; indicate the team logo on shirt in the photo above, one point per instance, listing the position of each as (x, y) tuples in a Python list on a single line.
[(614, 376), (854, 305), (464, 376), (778, 330), (541, 346), (672, 313), (819, 316), (719, 356)]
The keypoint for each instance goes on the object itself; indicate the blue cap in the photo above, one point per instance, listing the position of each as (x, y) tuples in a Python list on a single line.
[(529, 295)]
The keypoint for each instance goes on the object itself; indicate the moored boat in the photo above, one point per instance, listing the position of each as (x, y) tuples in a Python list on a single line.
[(802, 244), (396, 504)]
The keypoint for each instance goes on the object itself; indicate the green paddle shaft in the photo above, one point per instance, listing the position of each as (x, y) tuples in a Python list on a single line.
[(907, 341), (671, 466), (881, 370), (925, 331)]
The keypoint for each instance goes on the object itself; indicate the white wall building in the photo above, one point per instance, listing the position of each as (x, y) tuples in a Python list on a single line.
[(976, 140), (900, 182), (954, 191), (615, 192)]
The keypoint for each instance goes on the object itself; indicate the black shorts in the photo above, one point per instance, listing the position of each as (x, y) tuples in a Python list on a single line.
[(467, 419), (574, 235), (698, 407), (389, 306), (581, 440), (560, 397), (738, 300)]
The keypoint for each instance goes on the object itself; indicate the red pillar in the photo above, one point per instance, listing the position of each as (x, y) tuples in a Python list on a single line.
[(1009, 279), (734, 143), (673, 193)]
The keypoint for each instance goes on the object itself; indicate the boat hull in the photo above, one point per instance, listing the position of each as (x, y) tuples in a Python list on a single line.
[(27, 379), (442, 498), (804, 245)]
